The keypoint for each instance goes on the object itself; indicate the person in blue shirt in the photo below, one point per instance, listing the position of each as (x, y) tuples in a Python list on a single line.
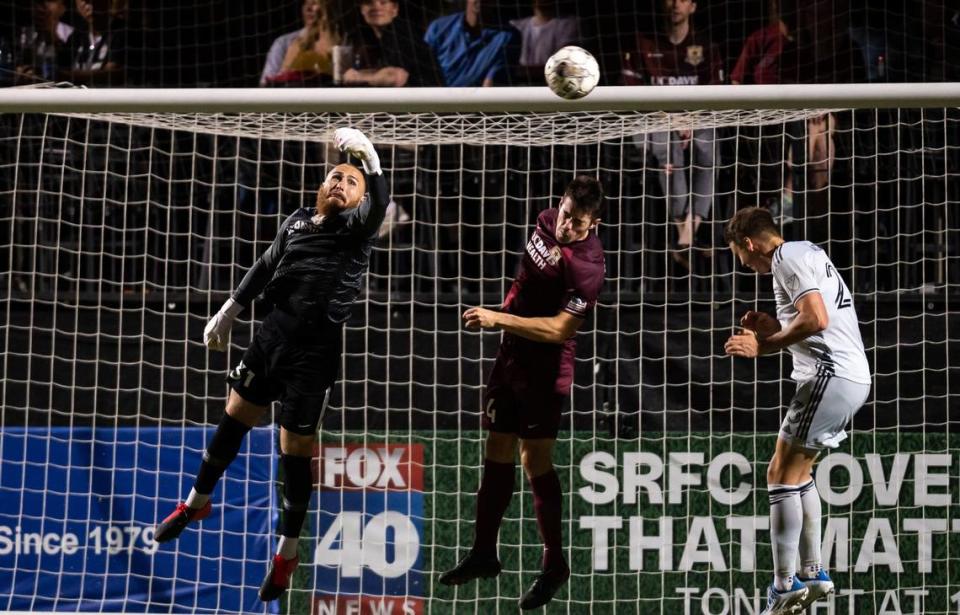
[(468, 53)]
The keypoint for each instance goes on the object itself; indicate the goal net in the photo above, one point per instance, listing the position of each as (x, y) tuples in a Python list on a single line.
[(122, 233)]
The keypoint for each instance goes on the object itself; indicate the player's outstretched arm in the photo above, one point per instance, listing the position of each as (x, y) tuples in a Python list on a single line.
[(549, 329), (369, 215), (216, 335)]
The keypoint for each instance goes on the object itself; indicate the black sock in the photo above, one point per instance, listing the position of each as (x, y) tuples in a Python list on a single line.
[(220, 453), (493, 498), (297, 486), (548, 506)]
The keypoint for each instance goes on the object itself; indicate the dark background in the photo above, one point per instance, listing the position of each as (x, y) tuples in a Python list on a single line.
[(656, 365)]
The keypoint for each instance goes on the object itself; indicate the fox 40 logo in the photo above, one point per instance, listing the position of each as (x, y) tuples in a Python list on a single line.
[(367, 557)]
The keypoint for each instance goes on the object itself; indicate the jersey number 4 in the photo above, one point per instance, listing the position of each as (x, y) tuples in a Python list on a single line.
[(843, 301), (490, 411)]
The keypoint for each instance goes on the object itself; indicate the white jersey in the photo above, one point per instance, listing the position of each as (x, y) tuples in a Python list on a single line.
[(799, 268)]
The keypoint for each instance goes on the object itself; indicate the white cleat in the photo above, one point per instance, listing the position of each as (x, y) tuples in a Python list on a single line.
[(818, 587), (787, 602)]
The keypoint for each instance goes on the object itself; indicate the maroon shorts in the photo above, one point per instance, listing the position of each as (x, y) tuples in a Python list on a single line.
[(529, 410)]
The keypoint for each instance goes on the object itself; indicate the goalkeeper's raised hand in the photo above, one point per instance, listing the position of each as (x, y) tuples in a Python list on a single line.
[(216, 335), (355, 143)]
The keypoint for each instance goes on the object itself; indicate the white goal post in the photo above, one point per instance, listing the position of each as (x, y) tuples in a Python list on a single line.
[(504, 100), (134, 213)]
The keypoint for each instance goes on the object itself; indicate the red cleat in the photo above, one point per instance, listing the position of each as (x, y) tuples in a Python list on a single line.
[(177, 521), (278, 577)]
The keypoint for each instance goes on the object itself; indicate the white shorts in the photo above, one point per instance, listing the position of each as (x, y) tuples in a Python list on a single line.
[(821, 409)]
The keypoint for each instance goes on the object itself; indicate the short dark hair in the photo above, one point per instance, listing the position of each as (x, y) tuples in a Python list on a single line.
[(749, 222), (586, 194)]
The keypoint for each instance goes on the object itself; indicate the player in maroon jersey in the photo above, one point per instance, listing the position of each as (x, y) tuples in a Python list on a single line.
[(555, 289)]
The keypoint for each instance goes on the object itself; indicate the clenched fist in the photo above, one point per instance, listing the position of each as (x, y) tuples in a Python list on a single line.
[(355, 143)]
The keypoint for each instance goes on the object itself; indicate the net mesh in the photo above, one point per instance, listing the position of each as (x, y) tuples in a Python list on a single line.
[(542, 129), (125, 233)]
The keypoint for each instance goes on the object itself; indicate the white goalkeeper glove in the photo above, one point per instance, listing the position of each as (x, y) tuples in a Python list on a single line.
[(355, 143), (216, 335)]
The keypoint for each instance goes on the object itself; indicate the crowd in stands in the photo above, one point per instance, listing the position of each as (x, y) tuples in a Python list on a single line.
[(89, 51), (473, 43)]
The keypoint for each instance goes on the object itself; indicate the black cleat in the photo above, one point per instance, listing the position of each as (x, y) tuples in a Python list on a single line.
[(177, 521), (278, 577), (544, 587), (473, 566)]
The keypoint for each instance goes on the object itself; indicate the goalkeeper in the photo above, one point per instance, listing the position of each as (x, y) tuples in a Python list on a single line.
[(311, 273)]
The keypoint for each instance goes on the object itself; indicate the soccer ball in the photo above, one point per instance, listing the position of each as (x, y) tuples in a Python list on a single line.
[(572, 72)]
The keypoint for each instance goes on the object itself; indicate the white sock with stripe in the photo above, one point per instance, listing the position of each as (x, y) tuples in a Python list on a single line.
[(810, 535), (786, 521)]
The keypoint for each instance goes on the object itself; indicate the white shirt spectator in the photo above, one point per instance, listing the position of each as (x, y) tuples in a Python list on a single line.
[(64, 30), (278, 50), (541, 40)]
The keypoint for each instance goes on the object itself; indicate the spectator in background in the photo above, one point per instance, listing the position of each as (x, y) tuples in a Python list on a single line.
[(98, 45), (769, 56), (680, 56), (43, 52), (763, 53), (469, 53), (541, 35), (805, 42), (306, 55), (388, 50), (47, 19)]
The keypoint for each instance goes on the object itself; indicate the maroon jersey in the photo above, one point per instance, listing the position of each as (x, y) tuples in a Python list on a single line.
[(552, 277), (761, 58), (657, 61), (769, 56)]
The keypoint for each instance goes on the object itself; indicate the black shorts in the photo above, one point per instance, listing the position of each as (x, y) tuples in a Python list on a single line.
[(532, 410), (294, 362)]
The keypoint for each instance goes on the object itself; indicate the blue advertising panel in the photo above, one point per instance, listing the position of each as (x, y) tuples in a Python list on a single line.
[(77, 512), (368, 557)]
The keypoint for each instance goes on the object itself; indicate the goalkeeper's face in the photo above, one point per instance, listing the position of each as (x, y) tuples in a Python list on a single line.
[(343, 189), (573, 224)]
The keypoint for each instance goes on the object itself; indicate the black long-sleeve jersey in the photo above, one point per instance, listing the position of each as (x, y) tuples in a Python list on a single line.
[(313, 269)]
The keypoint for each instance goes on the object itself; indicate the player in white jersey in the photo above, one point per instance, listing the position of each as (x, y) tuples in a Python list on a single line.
[(817, 322)]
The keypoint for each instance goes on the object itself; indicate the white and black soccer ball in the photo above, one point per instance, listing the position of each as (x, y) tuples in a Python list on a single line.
[(572, 72)]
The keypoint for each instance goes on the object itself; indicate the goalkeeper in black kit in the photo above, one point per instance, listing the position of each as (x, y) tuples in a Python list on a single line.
[(311, 274)]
